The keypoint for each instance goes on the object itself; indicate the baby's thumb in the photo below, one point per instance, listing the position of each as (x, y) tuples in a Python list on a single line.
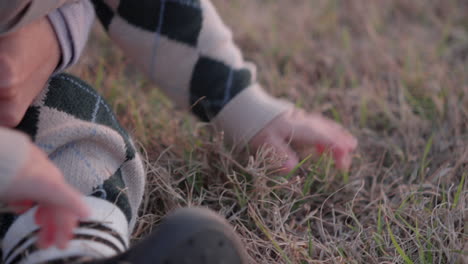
[(60, 194), (285, 151), (69, 198)]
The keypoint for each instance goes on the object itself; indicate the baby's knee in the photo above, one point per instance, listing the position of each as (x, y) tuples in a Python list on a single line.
[(74, 125)]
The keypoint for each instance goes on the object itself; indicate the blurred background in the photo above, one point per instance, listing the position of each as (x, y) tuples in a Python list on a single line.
[(394, 72)]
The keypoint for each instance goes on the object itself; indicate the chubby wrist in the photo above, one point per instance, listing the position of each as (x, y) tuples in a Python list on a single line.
[(248, 113), (15, 148)]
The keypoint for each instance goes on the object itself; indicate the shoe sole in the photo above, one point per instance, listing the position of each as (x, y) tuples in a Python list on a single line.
[(188, 236)]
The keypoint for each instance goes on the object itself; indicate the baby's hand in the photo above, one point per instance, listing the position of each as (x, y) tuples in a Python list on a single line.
[(59, 205), (301, 129)]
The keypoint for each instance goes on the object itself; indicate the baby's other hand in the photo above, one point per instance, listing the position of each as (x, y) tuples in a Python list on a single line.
[(59, 205), (298, 129)]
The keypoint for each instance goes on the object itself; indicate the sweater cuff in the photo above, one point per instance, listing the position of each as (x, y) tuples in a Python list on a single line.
[(72, 23), (248, 113), (14, 151)]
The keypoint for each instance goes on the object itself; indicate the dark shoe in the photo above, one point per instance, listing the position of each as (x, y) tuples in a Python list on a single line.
[(188, 236)]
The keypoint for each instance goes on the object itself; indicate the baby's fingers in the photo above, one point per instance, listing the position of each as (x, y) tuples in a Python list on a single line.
[(325, 135), (57, 225), (316, 130), (66, 223), (42, 182), (73, 202), (342, 159), (60, 194), (48, 227), (285, 151)]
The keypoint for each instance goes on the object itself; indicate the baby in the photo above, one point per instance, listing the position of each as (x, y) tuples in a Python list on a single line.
[(72, 173)]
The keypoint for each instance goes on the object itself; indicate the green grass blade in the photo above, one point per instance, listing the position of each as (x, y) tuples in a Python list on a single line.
[(379, 221), (275, 244), (311, 242), (308, 182), (363, 113), (291, 173), (345, 175), (397, 246), (459, 190), (424, 162)]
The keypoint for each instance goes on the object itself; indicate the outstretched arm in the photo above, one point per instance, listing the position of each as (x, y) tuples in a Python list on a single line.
[(185, 48)]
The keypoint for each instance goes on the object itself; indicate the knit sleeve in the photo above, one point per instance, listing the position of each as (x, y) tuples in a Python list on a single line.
[(186, 49), (14, 149)]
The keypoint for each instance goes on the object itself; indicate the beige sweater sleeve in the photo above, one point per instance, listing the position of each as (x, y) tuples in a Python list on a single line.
[(14, 148), (187, 50)]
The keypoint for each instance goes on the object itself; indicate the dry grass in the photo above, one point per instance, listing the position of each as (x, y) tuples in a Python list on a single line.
[(394, 72)]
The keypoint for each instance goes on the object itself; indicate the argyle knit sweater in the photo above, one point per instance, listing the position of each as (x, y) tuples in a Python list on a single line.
[(76, 128), (182, 45)]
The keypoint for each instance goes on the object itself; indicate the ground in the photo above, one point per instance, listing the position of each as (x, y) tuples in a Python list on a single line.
[(394, 72)]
